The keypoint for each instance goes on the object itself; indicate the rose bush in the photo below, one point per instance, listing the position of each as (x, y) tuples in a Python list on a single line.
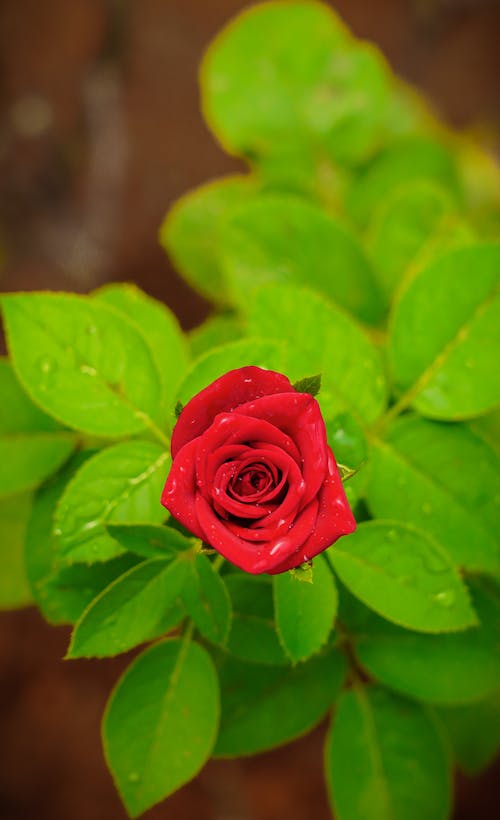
[(253, 475)]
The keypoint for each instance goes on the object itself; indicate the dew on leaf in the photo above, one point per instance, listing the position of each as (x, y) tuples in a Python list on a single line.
[(445, 598)]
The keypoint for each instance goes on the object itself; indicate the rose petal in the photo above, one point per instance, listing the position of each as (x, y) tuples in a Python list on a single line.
[(230, 429), (334, 520), (267, 509), (255, 557), (298, 415), (222, 396), (225, 503), (180, 489)]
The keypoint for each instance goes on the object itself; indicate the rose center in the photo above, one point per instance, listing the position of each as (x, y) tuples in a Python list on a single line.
[(252, 480)]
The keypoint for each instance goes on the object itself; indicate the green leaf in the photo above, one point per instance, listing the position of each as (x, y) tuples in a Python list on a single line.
[(161, 722), (83, 362), (443, 350), (403, 575), (150, 540), (121, 484), (417, 475), (216, 331), (284, 239), (27, 459), (309, 384), (207, 368), (207, 600), (264, 707), (347, 440), (305, 613), (474, 732), (136, 607), (62, 594), (409, 158), (385, 759), (31, 446), (419, 217), (325, 341), (14, 587), (253, 634), (191, 233), (18, 414), (161, 330), (310, 88), (446, 669), (487, 428)]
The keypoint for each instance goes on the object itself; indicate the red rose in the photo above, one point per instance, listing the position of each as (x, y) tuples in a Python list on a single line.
[(253, 475)]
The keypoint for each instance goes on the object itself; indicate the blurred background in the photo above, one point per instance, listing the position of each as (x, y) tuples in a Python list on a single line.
[(100, 133)]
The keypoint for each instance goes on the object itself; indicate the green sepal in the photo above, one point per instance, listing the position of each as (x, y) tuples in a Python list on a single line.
[(304, 572), (309, 384)]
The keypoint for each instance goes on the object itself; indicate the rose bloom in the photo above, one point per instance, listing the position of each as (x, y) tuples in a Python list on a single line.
[(253, 475)]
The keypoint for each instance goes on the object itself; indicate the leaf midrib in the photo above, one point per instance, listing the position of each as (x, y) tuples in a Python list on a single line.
[(461, 334), (123, 496), (403, 458), (137, 412), (375, 752)]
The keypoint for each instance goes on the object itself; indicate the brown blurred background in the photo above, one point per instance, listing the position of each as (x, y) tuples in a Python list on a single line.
[(100, 133)]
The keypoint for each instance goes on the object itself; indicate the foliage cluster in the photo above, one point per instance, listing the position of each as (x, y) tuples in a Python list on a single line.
[(360, 245)]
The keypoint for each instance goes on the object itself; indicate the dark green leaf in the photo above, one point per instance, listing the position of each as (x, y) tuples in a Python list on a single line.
[(62, 593), (161, 722), (14, 587), (347, 440), (305, 613), (263, 707), (253, 634), (310, 384), (207, 600), (404, 575), (150, 540), (474, 732), (385, 759), (487, 428), (444, 480), (136, 607), (121, 484), (447, 669)]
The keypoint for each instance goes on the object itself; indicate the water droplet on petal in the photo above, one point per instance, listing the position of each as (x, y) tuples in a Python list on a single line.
[(283, 545)]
